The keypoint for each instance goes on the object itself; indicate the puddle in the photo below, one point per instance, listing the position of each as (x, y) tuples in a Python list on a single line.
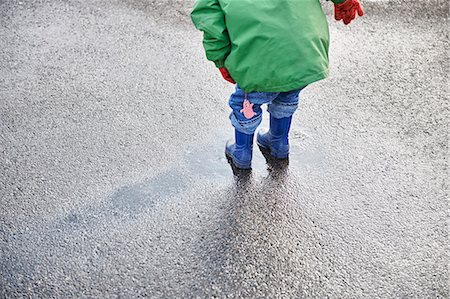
[(211, 162), (135, 199), (207, 163), (305, 149)]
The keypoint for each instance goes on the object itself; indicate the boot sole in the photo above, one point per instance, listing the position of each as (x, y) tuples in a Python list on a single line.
[(272, 152), (238, 164)]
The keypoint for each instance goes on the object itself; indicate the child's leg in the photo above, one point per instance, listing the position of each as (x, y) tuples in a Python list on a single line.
[(281, 110), (285, 104), (240, 120), (245, 118)]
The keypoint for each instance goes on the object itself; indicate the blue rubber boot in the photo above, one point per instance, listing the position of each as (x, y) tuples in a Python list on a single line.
[(240, 152), (276, 140)]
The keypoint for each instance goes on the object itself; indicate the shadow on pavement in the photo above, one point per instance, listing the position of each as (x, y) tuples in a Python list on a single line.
[(263, 242)]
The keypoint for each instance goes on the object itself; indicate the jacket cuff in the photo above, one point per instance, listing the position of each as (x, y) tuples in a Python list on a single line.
[(337, 1)]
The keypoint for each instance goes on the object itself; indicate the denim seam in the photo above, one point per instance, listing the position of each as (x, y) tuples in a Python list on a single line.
[(247, 122), (285, 104)]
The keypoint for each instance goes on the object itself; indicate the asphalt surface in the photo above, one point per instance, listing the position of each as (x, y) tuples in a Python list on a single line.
[(114, 184)]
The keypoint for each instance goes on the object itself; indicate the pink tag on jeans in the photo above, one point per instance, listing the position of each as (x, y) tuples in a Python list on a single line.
[(248, 109)]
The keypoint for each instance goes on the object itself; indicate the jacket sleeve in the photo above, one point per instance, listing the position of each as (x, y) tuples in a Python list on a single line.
[(207, 16)]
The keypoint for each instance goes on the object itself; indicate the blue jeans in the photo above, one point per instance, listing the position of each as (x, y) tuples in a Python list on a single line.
[(280, 105)]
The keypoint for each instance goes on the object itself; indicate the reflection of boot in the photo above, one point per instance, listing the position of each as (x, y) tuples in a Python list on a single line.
[(276, 140), (240, 152), (242, 177)]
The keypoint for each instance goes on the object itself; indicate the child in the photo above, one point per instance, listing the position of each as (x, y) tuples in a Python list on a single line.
[(272, 49)]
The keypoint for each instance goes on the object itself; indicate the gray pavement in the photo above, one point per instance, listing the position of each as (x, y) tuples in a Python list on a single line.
[(113, 181)]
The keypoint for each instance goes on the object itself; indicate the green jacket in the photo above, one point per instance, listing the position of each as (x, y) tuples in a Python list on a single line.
[(266, 45)]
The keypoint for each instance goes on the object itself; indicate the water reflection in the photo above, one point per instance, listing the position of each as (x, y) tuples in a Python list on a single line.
[(276, 169)]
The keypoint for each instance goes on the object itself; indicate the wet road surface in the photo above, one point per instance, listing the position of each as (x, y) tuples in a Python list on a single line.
[(114, 181)]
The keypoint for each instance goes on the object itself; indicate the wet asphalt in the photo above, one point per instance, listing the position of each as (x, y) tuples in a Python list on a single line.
[(114, 183)]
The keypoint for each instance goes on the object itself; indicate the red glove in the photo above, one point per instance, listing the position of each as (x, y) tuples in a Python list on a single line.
[(226, 75), (347, 10)]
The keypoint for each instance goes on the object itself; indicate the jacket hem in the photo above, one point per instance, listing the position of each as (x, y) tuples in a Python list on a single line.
[(288, 86)]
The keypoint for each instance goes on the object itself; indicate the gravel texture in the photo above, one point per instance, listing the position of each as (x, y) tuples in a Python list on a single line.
[(114, 184)]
